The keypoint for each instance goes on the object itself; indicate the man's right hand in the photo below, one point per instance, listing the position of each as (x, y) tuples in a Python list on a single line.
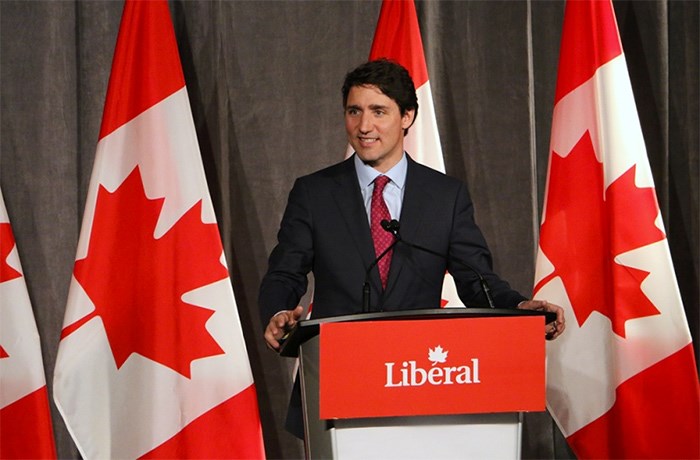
[(280, 324)]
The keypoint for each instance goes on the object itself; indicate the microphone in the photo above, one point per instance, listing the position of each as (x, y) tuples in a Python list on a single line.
[(365, 286), (392, 226)]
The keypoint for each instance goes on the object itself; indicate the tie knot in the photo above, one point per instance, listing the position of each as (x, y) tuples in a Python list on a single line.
[(379, 184)]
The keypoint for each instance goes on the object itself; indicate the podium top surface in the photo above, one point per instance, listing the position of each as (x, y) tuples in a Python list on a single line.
[(306, 329)]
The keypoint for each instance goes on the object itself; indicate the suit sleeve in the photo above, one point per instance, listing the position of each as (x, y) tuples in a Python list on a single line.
[(290, 261), (468, 246)]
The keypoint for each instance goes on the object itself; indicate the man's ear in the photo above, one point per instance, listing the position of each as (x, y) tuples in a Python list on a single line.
[(408, 118)]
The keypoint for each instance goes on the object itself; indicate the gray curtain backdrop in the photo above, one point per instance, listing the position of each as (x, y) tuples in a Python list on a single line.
[(264, 82)]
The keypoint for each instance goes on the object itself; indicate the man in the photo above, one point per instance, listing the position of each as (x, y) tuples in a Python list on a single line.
[(332, 216)]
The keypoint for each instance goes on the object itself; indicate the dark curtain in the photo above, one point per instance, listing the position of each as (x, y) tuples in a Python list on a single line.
[(264, 82)]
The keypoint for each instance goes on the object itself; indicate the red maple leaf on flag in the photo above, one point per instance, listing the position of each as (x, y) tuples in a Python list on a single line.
[(136, 281), (586, 227), (7, 243)]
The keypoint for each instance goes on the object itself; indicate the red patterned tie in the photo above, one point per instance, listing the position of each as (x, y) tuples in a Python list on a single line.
[(382, 238)]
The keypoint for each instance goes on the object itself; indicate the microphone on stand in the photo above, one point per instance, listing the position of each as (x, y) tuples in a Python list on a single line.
[(392, 226), (365, 286)]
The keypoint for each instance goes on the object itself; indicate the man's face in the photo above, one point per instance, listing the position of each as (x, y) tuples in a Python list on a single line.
[(375, 126)]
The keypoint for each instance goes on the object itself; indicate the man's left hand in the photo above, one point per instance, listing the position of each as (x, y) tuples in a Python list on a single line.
[(556, 327)]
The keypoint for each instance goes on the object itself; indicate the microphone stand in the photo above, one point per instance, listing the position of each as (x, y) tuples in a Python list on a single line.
[(365, 286)]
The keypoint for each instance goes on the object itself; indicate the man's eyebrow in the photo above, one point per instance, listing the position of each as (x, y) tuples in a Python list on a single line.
[(371, 107)]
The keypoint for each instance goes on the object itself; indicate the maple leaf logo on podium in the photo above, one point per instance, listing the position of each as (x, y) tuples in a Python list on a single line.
[(136, 281), (587, 227), (437, 355)]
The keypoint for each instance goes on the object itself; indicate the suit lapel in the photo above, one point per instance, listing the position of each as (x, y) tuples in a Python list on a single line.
[(348, 198), (416, 201)]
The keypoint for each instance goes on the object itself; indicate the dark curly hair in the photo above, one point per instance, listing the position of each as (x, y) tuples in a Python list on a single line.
[(391, 78)]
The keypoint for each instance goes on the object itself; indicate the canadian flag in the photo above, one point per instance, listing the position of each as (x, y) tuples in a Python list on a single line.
[(398, 38), (25, 419), (622, 380), (152, 361)]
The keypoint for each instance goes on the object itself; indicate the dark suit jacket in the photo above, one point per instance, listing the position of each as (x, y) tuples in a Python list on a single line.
[(325, 230)]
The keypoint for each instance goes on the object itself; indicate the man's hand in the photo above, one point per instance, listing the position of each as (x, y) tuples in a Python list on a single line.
[(556, 327), (280, 324)]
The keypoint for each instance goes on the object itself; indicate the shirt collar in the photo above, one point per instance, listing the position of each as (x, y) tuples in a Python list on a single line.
[(366, 174)]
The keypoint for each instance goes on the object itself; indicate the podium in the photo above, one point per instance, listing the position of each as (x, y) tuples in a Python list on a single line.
[(435, 383)]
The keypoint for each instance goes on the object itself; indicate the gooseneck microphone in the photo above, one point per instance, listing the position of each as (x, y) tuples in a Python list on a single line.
[(392, 226), (365, 286)]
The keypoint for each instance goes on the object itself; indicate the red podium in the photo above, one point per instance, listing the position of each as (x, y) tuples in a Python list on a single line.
[(438, 383)]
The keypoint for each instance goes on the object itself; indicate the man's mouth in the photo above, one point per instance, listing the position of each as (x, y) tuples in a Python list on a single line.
[(368, 140)]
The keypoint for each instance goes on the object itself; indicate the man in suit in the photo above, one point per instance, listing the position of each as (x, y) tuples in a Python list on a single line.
[(327, 227)]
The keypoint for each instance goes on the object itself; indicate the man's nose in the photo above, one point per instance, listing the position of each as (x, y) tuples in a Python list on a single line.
[(366, 123)]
